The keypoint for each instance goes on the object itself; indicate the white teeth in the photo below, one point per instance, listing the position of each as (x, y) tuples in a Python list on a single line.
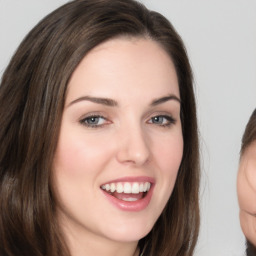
[(112, 187), (145, 187), (107, 187), (119, 188), (130, 199), (135, 188), (127, 187)]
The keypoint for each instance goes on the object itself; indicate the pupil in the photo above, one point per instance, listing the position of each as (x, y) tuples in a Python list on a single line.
[(93, 120), (157, 119)]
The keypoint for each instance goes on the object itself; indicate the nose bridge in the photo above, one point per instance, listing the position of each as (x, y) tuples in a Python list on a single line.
[(134, 144)]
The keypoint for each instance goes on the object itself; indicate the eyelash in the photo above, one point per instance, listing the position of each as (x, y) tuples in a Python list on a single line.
[(85, 121)]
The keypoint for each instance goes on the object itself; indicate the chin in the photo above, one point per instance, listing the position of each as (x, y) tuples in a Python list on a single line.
[(130, 233)]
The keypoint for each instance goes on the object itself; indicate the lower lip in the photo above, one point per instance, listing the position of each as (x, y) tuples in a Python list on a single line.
[(134, 206)]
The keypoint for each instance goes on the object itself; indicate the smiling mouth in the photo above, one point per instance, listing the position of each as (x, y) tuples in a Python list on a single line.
[(127, 191)]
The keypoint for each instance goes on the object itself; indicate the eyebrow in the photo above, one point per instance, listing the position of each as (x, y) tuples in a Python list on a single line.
[(164, 99), (112, 103), (102, 101)]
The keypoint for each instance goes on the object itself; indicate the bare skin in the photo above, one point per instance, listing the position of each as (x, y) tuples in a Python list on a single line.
[(246, 188)]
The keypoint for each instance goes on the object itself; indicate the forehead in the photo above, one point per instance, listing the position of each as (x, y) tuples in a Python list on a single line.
[(127, 52), (125, 65)]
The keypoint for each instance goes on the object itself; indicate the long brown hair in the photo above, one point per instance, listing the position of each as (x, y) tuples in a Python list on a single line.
[(32, 96)]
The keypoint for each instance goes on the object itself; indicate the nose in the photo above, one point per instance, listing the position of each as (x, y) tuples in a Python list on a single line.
[(133, 147)]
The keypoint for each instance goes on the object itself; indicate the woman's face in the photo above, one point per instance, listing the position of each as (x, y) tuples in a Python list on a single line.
[(120, 144), (246, 186)]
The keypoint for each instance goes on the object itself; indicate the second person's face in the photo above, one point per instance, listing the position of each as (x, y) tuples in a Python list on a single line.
[(246, 186)]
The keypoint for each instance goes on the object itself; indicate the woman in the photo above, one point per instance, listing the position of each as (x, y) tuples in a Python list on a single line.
[(99, 142), (246, 185)]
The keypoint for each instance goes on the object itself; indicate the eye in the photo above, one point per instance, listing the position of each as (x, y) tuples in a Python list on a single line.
[(162, 120), (94, 121)]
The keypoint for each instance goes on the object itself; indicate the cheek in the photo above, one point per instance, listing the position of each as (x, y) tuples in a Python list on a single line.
[(246, 188), (79, 155), (168, 158), (170, 153), (251, 176), (77, 164)]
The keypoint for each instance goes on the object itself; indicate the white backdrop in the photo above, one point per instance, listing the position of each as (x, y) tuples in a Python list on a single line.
[(220, 37)]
